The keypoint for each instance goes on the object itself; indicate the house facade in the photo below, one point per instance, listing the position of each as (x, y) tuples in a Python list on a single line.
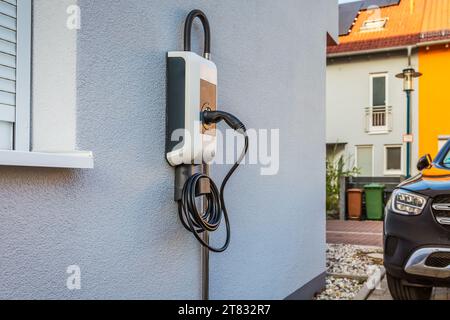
[(86, 195), (366, 113), (378, 40)]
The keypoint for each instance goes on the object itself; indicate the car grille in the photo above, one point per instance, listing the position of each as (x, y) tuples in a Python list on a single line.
[(438, 260), (441, 209)]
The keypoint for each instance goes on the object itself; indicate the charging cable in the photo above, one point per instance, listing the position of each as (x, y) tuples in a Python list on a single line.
[(209, 220)]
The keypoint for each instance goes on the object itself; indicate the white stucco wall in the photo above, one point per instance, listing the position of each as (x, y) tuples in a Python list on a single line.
[(348, 94), (118, 222)]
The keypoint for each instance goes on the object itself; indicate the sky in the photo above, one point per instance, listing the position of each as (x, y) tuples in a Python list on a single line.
[(344, 1)]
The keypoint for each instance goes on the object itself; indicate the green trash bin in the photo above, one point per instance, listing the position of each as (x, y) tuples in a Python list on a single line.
[(374, 201)]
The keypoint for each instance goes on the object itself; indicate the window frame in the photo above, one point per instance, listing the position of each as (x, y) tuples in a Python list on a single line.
[(23, 152), (371, 146), (388, 172), (365, 28), (378, 129)]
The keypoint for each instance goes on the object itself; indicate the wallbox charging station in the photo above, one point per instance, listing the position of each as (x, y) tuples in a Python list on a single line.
[(191, 134), (191, 141), (192, 89)]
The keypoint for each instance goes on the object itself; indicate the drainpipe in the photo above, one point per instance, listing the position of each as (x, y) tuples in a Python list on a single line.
[(409, 50)]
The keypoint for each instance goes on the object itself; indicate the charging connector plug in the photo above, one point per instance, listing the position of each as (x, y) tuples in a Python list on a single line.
[(212, 117)]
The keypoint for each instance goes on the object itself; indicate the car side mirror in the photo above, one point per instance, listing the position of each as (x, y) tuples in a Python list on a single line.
[(424, 162)]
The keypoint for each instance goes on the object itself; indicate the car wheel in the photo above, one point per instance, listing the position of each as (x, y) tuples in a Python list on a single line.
[(401, 292)]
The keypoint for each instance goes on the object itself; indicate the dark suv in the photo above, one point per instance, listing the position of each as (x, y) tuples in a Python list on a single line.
[(417, 231)]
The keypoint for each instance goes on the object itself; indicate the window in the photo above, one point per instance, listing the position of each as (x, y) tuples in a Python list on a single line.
[(15, 74), (379, 90), (393, 160), (54, 87), (374, 25), (378, 114), (364, 160)]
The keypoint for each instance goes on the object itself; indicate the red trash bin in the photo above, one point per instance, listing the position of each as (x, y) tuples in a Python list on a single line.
[(354, 197)]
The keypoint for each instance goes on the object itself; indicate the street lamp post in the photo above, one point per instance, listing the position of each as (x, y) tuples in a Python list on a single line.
[(408, 75)]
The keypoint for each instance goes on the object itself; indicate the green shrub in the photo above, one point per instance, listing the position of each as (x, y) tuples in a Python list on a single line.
[(336, 168)]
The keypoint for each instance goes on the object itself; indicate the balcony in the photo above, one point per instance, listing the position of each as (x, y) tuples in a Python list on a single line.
[(378, 120)]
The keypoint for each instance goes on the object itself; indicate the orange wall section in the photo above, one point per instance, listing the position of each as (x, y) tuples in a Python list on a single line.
[(434, 98)]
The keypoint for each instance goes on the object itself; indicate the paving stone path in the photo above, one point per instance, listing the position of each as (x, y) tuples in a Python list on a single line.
[(364, 233)]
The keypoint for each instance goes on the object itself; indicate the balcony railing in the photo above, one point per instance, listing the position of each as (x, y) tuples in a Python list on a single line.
[(379, 119)]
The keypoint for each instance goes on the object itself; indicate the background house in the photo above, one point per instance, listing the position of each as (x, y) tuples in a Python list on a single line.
[(102, 89), (363, 93)]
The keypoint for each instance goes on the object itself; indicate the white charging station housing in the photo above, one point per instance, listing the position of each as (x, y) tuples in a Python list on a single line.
[(191, 89)]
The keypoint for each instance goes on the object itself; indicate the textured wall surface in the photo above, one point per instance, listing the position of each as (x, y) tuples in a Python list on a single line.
[(118, 222)]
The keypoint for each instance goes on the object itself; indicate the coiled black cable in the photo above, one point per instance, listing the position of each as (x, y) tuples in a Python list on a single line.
[(192, 218)]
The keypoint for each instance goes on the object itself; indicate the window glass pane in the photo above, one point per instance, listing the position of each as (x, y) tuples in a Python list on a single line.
[(394, 158), (364, 156), (447, 159), (374, 24), (379, 91)]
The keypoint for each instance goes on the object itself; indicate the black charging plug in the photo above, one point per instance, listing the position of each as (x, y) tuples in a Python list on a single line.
[(211, 117)]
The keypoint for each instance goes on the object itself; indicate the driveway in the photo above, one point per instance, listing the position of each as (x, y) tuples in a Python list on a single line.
[(368, 233), (363, 233)]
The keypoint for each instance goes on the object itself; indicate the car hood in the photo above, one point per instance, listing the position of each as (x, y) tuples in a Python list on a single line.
[(430, 182)]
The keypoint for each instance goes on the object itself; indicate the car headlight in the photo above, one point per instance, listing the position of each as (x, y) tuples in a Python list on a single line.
[(407, 203)]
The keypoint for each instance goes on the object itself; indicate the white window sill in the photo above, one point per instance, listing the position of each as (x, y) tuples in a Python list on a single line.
[(66, 160)]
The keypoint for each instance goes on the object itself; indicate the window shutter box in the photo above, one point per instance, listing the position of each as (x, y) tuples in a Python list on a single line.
[(8, 57), (15, 74)]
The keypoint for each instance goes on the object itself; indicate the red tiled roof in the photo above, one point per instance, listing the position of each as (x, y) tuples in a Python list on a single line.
[(392, 42), (409, 23), (372, 44)]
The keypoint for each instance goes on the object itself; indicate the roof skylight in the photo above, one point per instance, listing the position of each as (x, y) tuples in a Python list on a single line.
[(374, 25)]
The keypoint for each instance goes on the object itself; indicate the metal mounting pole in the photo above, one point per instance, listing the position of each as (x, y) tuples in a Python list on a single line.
[(205, 251), (206, 171)]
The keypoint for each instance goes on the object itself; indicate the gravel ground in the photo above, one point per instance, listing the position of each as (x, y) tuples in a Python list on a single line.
[(348, 260), (353, 260), (340, 289)]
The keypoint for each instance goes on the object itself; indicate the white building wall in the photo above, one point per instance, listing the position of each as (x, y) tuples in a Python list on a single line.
[(348, 94)]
